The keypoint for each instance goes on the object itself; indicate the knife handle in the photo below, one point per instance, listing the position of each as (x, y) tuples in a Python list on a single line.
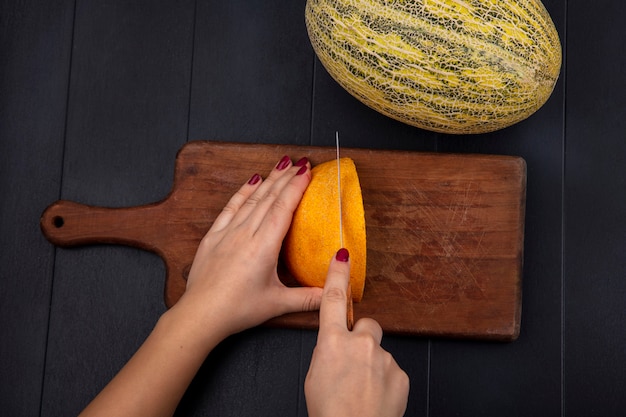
[(350, 309)]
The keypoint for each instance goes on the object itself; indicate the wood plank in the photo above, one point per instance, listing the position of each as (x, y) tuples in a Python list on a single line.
[(252, 82), (522, 378), (444, 232), (255, 373), (128, 109), (594, 290), (333, 109), (35, 51), (252, 79)]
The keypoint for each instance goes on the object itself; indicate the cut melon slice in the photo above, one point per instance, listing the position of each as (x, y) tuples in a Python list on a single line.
[(314, 236)]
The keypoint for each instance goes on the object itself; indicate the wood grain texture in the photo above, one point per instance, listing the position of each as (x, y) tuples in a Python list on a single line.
[(445, 232)]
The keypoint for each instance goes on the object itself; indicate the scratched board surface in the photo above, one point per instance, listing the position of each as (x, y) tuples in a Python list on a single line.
[(444, 232)]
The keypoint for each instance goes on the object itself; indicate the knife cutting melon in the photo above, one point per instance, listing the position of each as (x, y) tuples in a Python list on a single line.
[(314, 235)]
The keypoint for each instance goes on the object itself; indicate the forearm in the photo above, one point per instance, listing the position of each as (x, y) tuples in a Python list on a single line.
[(232, 285), (156, 377)]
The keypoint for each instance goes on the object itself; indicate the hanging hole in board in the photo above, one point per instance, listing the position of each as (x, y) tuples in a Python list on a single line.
[(58, 222)]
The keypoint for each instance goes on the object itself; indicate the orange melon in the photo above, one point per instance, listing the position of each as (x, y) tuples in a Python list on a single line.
[(314, 236)]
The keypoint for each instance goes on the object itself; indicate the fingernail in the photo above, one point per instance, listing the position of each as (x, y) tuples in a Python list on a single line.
[(302, 170), (283, 163), (342, 255), (302, 162), (255, 178)]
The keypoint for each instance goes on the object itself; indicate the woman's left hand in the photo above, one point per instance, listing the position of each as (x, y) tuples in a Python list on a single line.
[(233, 280)]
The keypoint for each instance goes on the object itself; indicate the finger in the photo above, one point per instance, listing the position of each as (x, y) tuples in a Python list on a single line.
[(370, 327), (261, 193), (333, 307), (236, 202), (300, 299), (275, 213)]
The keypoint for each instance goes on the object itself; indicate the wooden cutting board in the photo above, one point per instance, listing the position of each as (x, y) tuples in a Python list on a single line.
[(444, 232)]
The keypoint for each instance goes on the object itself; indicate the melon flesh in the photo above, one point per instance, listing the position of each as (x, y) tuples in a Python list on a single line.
[(314, 235)]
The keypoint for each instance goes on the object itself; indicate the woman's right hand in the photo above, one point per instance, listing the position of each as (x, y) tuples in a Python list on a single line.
[(350, 373)]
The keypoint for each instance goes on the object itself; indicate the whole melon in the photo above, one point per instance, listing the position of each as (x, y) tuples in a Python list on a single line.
[(450, 66)]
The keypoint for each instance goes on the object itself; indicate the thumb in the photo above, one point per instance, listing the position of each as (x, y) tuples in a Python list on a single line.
[(300, 299)]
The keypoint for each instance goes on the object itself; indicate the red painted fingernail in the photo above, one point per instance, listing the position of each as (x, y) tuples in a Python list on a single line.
[(302, 170), (302, 162), (255, 178), (342, 255), (283, 163)]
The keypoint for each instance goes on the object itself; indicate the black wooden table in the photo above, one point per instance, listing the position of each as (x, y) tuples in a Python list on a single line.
[(96, 97)]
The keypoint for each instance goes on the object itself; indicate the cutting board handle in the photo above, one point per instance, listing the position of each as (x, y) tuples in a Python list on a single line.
[(66, 223)]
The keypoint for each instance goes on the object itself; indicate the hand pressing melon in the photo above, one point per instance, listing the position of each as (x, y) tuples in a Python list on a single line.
[(314, 236)]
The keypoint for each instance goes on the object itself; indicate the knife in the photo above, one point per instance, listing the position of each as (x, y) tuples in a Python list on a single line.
[(350, 309)]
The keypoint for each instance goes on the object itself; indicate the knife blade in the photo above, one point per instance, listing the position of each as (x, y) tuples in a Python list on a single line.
[(339, 191), (349, 306)]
